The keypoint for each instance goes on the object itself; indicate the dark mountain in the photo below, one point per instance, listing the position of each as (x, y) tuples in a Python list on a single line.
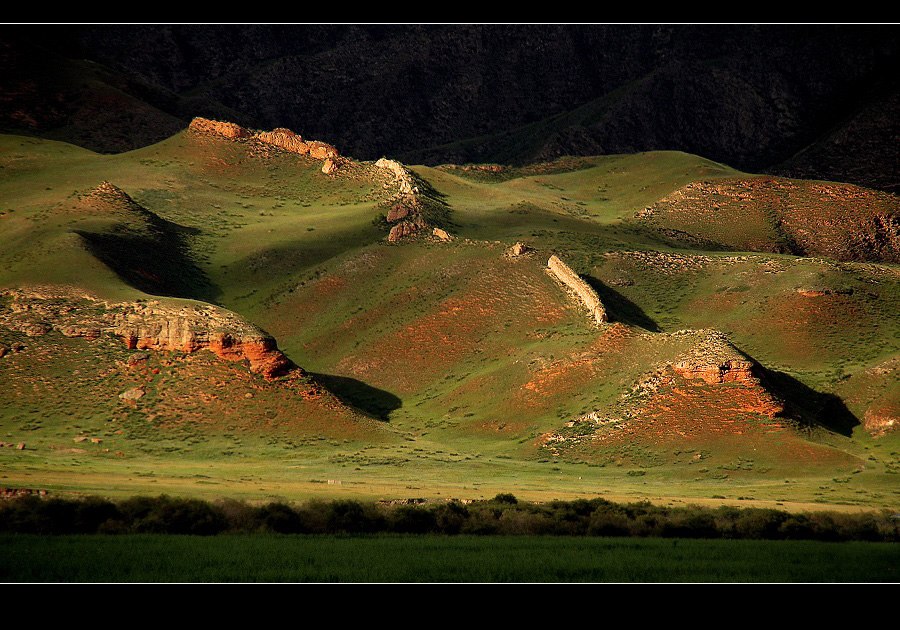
[(813, 101)]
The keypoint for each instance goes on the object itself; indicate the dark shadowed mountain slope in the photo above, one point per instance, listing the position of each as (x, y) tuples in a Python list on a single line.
[(814, 101)]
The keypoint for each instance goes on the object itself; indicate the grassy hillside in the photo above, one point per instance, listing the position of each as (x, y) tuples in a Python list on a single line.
[(449, 368)]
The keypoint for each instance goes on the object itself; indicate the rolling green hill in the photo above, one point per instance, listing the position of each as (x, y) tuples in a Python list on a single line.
[(436, 368)]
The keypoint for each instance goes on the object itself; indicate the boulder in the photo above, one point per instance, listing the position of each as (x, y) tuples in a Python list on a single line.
[(402, 230), (398, 211), (130, 395), (322, 150), (443, 235), (517, 250)]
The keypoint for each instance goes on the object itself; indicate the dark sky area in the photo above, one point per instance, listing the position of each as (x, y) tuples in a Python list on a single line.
[(810, 101)]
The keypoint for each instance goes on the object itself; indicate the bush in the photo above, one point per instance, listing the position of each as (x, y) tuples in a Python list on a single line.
[(451, 517), (759, 523), (408, 519), (351, 517), (165, 515), (504, 514), (280, 519)]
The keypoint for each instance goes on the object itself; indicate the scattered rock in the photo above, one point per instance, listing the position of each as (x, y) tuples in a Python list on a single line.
[(80, 438), (135, 393), (406, 204), (136, 359), (402, 230), (441, 234), (329, 166), (248, 395), (398, 211), (12, 493), (879, 421), (519, 249), (4, 350), (20, 446), (35, 329), (487, 168), (96, 440), (812, 293)]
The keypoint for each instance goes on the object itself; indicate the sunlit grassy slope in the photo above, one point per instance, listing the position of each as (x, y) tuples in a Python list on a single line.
[(459, 359)]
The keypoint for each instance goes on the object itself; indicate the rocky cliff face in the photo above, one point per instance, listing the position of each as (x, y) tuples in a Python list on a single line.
[(562, 272), (220, 128), (406, 205), (714, 359), (151, 325), (282, 138)]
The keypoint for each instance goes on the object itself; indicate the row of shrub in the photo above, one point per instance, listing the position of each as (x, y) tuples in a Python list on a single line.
[(503, 514)]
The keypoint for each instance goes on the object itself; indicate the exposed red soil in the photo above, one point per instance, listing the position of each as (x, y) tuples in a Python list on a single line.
[(196, 390), (491, 308), (771, 214), (685, 414)]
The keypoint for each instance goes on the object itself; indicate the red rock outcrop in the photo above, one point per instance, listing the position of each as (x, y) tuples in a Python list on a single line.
[(397, 212), (322, 150), (407, 204), (405, 228), (714, 360), (220, 128), (562, 272), (282, 138), (404, 181), (150, 325)]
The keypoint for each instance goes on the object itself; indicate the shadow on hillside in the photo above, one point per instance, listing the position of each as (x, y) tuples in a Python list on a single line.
[(619, 308), (812, 408), (155, 258), (372, 400)]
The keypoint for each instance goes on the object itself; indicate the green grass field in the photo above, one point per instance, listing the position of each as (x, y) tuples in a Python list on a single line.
[(269, 558)]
